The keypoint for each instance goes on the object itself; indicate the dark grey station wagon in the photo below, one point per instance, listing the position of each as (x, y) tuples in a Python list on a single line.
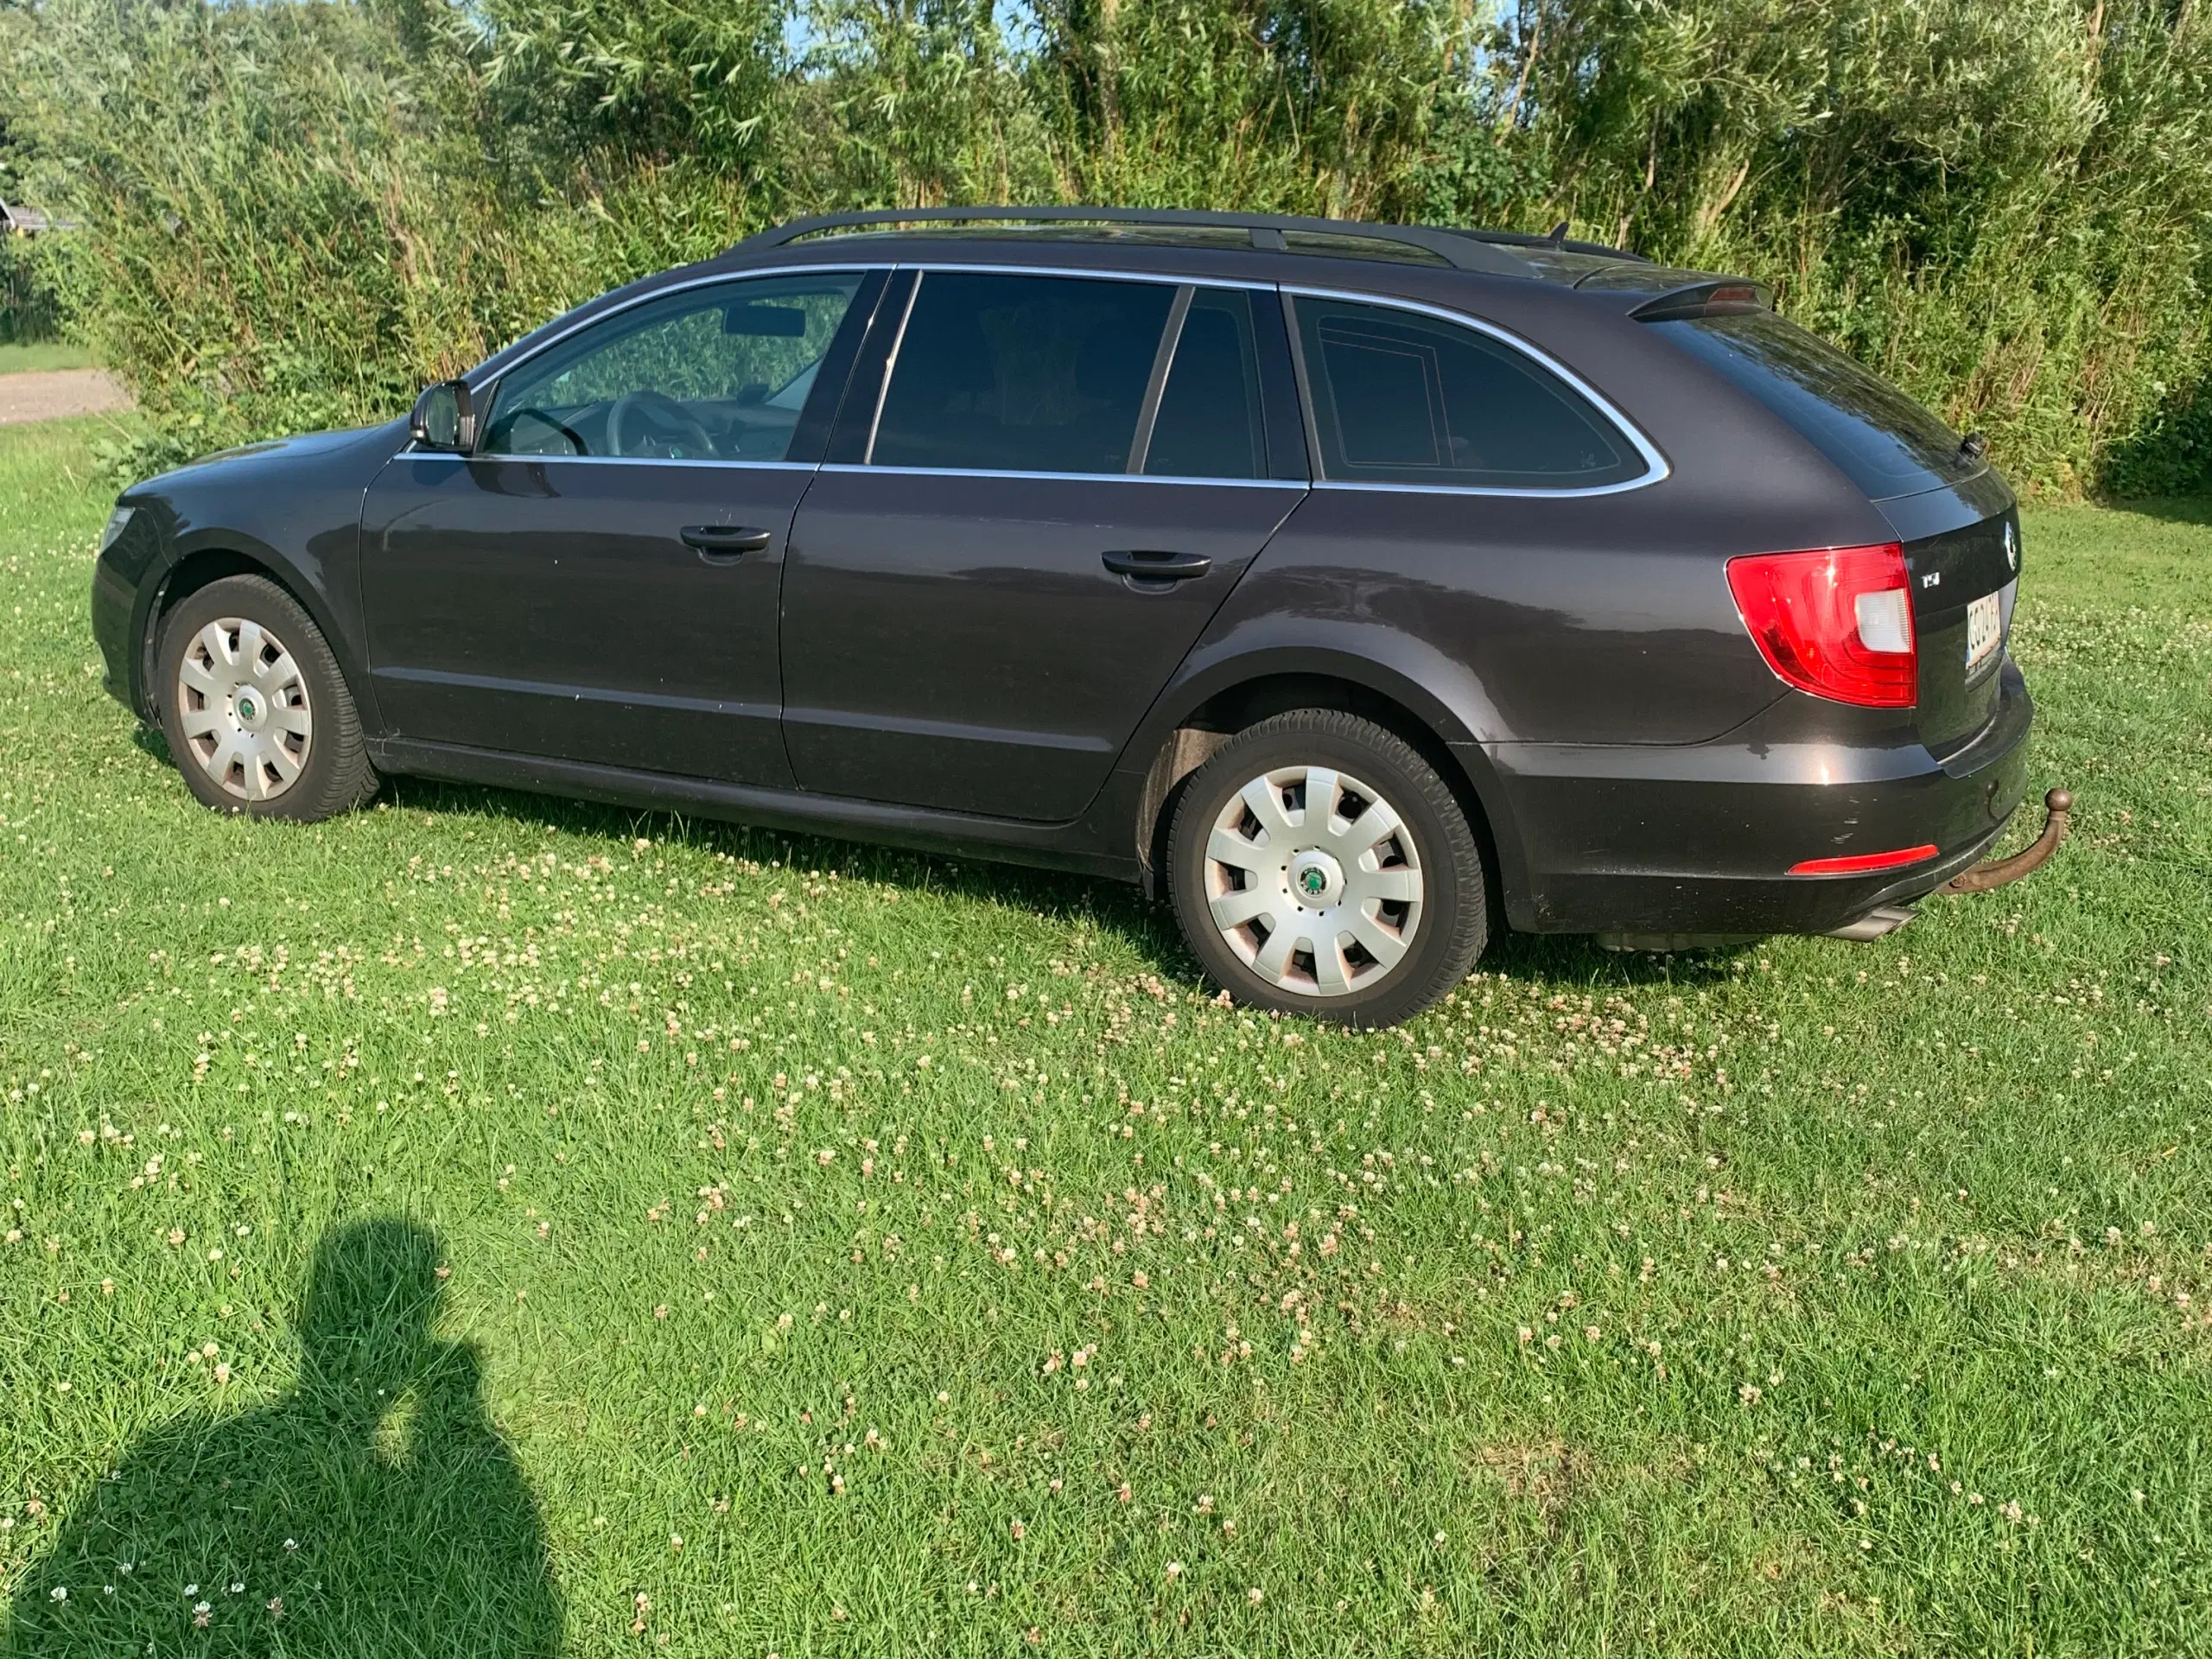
[(1347, 584)]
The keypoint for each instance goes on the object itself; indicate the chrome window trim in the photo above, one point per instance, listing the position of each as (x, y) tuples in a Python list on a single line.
[(861, 266), (1636, 483), (477, 386), (596, 318), (615, 461), (1081, 478), (1657, 467), (1178, 306)]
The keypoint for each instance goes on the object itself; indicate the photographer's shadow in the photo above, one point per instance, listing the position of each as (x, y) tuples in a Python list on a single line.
[(373, 1511)]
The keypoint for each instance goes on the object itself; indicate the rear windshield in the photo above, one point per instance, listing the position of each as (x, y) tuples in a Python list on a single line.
[(1876, 436)]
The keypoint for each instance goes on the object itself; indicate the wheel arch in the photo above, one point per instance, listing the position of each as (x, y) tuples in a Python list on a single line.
[(212, 560), (1199, 714)]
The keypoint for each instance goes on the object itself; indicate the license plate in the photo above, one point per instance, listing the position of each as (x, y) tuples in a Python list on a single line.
[(1985, 632)]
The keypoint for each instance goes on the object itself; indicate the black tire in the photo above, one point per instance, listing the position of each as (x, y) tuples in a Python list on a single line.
[(335, 775), (1446, 935)]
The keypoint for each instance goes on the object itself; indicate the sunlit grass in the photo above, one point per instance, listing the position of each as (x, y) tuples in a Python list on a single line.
[(864, 1253), (51, 354)]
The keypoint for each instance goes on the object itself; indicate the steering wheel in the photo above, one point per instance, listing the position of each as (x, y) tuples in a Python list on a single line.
[(635, 412), (576, 445)]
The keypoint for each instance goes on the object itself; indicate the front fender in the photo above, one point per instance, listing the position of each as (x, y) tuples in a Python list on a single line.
[(292, 512)]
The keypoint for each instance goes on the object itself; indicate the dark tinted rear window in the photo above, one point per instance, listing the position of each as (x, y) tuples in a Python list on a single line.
[(1022, 374), (1209, 423), (1878, 437), (1403, 397)]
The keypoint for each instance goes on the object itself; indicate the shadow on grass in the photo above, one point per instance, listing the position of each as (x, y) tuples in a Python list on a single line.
[(1576, 961), (1570, 962), (373, 1511), (2173, 509), (1096, 903)]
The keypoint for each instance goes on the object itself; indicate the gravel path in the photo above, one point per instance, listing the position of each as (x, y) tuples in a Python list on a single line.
[(48, 394)]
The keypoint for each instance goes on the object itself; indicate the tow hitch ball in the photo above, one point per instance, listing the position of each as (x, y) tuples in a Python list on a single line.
[(2057, 804)]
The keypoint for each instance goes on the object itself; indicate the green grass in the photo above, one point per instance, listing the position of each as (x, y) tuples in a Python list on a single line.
[(917, 1243), (51, 354)]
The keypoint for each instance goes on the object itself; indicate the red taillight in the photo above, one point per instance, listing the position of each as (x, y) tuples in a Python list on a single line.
[(1860, 863), (1835, 621)]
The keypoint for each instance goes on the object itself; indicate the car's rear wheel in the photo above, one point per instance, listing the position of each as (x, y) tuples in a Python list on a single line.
[(255, 711), (1319, 865)]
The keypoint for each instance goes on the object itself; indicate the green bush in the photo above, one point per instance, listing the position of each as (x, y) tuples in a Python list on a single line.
[(299, 211), (29, 314)]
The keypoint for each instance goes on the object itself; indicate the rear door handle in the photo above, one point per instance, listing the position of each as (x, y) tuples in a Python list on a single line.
[(1147, 565), (716, 542)]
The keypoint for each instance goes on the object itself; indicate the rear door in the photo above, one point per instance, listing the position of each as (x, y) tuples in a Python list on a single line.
[(1041, 503)]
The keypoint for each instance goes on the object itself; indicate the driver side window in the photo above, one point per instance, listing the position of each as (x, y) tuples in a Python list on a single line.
[(714, 373)]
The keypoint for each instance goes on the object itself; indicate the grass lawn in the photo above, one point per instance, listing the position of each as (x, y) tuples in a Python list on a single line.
[(488, 1226), (18, 359)]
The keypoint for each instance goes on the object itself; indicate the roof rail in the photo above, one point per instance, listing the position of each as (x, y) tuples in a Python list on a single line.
[(1467, 250), (1550, 241)]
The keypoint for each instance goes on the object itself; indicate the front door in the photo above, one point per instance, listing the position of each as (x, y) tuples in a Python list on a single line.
[(1059, 484), (599, 583)]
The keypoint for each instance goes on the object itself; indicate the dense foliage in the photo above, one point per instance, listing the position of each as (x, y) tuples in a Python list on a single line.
[(299, 211)]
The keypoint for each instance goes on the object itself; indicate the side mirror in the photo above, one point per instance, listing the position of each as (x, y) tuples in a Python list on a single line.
[(445, 418)]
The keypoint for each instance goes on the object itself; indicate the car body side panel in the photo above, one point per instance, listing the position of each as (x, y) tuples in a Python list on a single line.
[(293, 508), (549, 607), (954, 641)]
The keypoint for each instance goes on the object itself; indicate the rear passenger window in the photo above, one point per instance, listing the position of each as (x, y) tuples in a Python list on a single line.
[(1209, 424), (1021, 374), (1400, 397)]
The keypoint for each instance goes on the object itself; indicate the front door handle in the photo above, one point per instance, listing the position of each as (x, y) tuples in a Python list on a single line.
[(717, 542), (1146, 565)]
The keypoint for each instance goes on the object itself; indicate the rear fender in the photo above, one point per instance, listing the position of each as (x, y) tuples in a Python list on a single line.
[(1442, 701)]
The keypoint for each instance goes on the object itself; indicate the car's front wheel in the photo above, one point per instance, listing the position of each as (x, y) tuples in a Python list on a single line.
[(1321, 866), (255, 711)]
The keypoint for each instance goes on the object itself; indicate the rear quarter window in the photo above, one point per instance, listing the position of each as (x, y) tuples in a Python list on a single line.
[(1404, 397), (1875, 435)]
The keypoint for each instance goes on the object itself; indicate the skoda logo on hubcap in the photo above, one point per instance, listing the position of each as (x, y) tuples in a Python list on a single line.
[(1315, 882), (246, 705)]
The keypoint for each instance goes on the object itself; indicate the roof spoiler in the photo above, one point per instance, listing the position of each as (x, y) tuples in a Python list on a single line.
[(1725, 296)]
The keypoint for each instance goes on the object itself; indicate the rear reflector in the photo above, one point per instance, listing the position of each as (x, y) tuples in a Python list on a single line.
[(1835, 621), (1860, 863)]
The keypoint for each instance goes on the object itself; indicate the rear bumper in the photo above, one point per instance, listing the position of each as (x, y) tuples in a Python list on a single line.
[(1698, 838)]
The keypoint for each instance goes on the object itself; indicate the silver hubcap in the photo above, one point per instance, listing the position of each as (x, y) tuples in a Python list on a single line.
[(1313, 881), (243, 705)]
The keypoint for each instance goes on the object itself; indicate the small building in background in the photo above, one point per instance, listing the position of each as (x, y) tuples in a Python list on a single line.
[(16, 220)]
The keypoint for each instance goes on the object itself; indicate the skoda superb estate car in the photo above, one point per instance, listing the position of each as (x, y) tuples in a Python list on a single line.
[(1359, 588)]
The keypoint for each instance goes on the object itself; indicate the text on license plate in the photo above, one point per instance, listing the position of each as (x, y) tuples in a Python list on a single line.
[(1984, 630)]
